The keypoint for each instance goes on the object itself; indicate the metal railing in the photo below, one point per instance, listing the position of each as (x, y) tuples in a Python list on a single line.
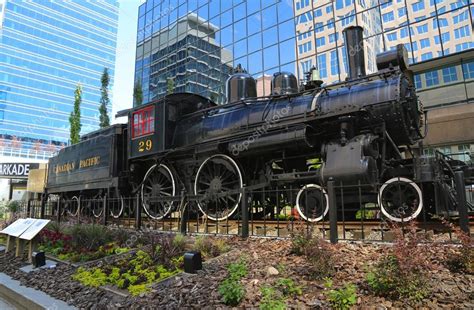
[(335, 212)]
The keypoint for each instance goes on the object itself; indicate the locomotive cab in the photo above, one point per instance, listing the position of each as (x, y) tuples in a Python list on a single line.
[(152, 126)]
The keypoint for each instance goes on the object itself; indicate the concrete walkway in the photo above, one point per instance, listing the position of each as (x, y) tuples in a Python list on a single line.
[(22, 297)]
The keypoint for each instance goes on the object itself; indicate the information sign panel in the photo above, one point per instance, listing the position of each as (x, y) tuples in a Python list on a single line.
[(18, 227), (34, 229)]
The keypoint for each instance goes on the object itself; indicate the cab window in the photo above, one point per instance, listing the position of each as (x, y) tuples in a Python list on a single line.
[(143, 122)]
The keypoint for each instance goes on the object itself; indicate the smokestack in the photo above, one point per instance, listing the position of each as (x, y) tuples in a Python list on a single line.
[(353, 36)]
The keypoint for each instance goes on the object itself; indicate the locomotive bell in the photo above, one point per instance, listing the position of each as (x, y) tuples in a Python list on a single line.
[(284, 83), (353, 36), (241, 86)]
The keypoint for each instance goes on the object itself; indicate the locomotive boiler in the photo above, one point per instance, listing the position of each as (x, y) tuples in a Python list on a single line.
[(359, 132)]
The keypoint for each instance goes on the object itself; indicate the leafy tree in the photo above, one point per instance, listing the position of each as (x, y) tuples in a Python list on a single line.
[(75, 117), (169, 86), (104, 99), (138, 93)]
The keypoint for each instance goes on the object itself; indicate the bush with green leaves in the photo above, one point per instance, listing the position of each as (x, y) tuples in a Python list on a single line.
[(136, 273), (210, 247), (271, 299), (89, 236), (288, 287), (231, 289), (403, 271), (319, 253), (341, 298)]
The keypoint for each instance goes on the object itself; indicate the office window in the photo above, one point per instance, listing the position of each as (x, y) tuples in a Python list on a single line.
[(392, 36), (433, 2), (461, 17), (432, 78), (420, 5), (402, 12), (464, 46), (468, 70), (334, 68), (329, 9), (333, 37), (462, 32), (318, 27), (322, 66), (305, 47), (426, 56), (339, 4), (424, 43), (449, 75), (306, 65), (465, 151), (458, 4), (422, 28), (387, 17), (403, 33), (318, 13), (302, 4), (440, 22), (320, 41), (417, 81)]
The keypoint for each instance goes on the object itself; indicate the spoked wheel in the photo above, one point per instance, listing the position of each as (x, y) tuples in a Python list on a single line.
[(218, 179), (158, 182), (312, 203), (400, 199)]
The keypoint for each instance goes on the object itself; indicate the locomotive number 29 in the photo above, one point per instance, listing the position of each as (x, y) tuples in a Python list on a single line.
[(145, 145)]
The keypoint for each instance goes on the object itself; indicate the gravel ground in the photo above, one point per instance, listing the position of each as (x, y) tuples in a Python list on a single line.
[(449, 290)]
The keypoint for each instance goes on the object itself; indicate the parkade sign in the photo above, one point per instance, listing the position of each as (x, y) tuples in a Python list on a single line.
[(16, 170)]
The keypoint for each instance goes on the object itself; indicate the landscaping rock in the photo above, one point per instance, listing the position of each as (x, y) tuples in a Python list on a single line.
[(272, 271)]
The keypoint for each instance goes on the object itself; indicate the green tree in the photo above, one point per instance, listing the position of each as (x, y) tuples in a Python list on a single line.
[(138, 93), (169, 86), (104, 99), (75, 117)]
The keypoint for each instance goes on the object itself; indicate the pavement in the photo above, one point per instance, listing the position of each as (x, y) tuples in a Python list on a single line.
[(12, 293)]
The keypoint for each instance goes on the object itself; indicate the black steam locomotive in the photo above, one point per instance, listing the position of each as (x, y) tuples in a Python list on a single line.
[(359, 131)]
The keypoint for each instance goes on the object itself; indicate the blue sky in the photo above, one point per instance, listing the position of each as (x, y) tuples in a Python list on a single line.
[(125, 60)]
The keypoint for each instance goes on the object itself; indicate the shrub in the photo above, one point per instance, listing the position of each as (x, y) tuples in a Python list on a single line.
[(271, 299), (89, 237), (179, 242), (231, 290), (342, 298), (209, 247), (302, 235), (402, 273), (288, 287), (462, 261), (94, 277), (320, 255), (13, 206)]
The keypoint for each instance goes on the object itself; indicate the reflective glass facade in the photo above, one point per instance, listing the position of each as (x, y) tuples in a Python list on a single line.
[(47, 48), (267, 36)]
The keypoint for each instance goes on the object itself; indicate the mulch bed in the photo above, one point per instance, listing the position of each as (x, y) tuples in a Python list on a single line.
[(449, 290)]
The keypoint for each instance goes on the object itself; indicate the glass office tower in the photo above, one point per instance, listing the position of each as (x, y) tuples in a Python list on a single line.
[(47, 48), (267, 36)]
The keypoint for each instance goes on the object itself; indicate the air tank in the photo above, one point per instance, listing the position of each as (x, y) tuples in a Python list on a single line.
[(284, 83)]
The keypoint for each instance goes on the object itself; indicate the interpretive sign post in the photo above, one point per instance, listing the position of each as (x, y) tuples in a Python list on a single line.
[(30, 236), (24, 230)]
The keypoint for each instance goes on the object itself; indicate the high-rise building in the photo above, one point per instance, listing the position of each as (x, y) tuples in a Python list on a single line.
[(197, 42), (184, 58), (428, 28), (47, 48)]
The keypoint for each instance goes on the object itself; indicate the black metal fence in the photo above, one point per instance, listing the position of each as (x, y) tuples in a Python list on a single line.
[(336, 212)]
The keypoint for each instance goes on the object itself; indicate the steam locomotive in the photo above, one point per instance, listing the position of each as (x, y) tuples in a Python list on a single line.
[(355, 132)]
